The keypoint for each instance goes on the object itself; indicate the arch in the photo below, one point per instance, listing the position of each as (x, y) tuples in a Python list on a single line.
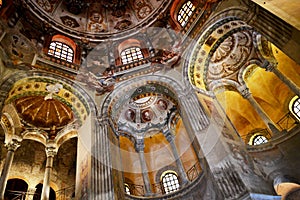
[(165, 85), (81, 95), (184, 99), (16, 188)]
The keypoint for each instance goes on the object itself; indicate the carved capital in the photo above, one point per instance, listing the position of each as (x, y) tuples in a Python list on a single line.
[(51, 149), (13, 145), (244, 91), (168, 135), (104, 120), (269, 66), (139, 145)]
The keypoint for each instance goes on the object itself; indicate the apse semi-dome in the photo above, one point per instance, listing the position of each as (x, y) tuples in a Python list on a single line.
[(97, 19)]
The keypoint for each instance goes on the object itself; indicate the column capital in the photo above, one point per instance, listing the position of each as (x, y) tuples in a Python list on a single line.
[(13, 145), (269, 66), (139, 144), (51, 149), (103, 119), (244, 91), (168, 135)]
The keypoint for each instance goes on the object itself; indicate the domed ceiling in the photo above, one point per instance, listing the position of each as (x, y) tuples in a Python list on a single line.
[(96, 19)]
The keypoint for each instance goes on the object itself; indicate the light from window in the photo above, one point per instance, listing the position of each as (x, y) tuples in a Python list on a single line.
[(127, 190), (259, 139), (170, 182), (131, 54), (296, 107), (61, 51), (185, 12)]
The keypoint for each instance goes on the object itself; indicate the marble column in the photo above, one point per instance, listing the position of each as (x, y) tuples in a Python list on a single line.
[(272, 68), (11, 148), (170, 137), (102, 186), (50, 152), (139, 147), (264, 116)]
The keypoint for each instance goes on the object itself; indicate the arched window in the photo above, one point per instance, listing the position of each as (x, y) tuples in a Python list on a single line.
[(61, 50), (295, 107), (185, 12), (170, 181), (131, 54), (259, 139), (127, 189)]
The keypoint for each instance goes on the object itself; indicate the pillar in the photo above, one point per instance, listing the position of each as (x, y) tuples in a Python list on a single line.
[(102, 186), (139, 147), (264, 116), (50, 152), (11, 148), (170, 137)]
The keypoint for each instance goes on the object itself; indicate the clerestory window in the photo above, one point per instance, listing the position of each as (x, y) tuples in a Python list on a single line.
[(131, 54), (61, 51), (295, 107), (259, 139), (170, 182), (185, 13)]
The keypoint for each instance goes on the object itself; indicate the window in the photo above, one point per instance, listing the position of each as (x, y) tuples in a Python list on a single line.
[(259, 139), (61, 51), (170, 181), (185, 12), (295, 107), (131, 54), (127, 190)]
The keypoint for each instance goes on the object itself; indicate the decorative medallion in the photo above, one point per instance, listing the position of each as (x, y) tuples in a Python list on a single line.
[(69, 21)]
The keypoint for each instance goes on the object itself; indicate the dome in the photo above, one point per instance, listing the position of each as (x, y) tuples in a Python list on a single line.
[(37, 111), (96, 19)]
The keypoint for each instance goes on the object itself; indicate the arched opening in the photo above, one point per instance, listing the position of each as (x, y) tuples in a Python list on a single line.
[(170, 182), (185, 12), (15, 189), (151, 136), (62, 48)]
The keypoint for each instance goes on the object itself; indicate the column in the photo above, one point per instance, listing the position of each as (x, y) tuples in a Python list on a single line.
[(102, 186), (50, 152), (272, 68), (11, 148), (139, 147), (244, 91), (170, 137), (30, 193)]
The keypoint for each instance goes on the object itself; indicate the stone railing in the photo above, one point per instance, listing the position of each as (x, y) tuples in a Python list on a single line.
[(138, 190)]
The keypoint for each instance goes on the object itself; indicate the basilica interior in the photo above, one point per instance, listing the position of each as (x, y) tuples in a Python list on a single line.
[(149, 99)]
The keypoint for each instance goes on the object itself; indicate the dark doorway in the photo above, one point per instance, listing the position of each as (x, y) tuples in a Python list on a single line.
[(16, 189)]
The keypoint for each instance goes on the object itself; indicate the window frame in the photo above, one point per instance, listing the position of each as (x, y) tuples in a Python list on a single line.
[(292, 103), (129, 56), (185, 12), (59, 52), (169, 190)]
